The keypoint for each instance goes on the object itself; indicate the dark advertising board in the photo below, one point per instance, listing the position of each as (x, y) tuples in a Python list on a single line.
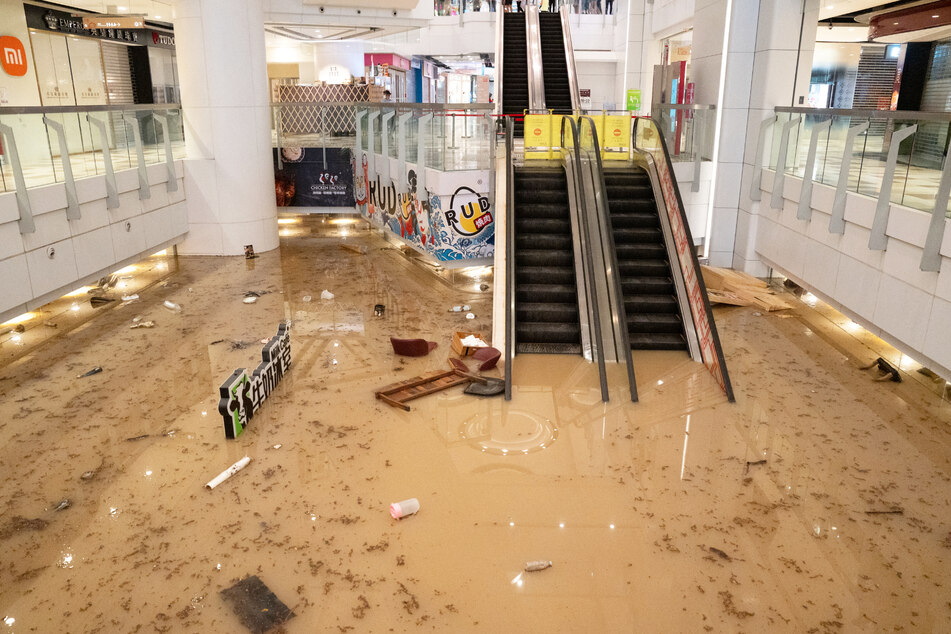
[(303, 180)]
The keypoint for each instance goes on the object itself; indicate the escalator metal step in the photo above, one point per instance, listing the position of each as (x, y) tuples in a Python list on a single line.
[(657, 341)]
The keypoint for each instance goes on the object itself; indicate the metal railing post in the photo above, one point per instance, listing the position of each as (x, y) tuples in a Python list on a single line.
[(931, 254), (25, 221), (878, 240), (756, 192), (72, 200), (402, 186), (143, 171), (172, 184), (837, 221), (776, 201), (112, 192), (421, 131), (805, 194)]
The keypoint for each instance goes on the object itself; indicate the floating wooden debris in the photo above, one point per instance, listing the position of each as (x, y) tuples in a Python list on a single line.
[(725, 286), (896, 510), (362, 250), (256, 606), (397, 394)]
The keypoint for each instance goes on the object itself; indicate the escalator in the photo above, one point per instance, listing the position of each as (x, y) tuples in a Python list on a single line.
[(554, 64), (514, 68), (547, 319), (654, 320)]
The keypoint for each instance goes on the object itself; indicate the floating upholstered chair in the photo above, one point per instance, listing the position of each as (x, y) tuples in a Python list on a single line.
[(412, 347), (487, 358)]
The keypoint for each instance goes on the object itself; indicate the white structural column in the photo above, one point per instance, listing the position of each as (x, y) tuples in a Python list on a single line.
[(629, 40), (762, 46), (229, 177)]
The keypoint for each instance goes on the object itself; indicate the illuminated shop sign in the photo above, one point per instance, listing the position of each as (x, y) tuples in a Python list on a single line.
[(128, 29), (12, 56), (243, 394)]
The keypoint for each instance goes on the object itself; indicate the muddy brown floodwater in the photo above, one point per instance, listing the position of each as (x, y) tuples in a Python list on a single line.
[(818, 502)]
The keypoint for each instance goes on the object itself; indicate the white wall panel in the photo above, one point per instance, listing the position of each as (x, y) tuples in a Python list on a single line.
[(49, 273), (86, 247)]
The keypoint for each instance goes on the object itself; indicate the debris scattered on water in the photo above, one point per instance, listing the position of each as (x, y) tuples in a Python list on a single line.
[(134, 438), (95, 370), (172, 306), (98, 301), (325, 294), (306, 298), (402, 509), (130, 298), (250, 299), (535, 566), (895, 510), (143, 324), (63, 505), (719, 553), (227, 473), (256, 606), (753, 463)]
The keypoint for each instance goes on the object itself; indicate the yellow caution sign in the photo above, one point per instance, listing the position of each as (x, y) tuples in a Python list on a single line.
[(538, 136), (616, 141)]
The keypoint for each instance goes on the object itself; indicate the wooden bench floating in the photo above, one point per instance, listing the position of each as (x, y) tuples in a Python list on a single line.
[(398, 394)]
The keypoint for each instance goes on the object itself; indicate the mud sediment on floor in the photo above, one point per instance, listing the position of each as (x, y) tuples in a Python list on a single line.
[(633, 503)]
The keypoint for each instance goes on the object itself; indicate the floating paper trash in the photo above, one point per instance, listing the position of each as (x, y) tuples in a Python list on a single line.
[(472, 341), (326, 295), (256, 606)]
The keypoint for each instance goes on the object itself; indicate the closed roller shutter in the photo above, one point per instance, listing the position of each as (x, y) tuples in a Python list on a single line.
[(932, 138)]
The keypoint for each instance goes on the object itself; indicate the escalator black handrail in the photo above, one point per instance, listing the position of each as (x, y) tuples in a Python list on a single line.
[(595, 316), (727, 384), (619, 306), (509, 253)]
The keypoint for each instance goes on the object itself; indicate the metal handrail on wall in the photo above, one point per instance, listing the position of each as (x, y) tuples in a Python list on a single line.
[(613, 271), (509, 253), (586, 240), (700, 311)]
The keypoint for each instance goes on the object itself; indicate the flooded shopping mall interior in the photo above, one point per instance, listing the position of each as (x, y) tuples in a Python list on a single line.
[(818, 501)]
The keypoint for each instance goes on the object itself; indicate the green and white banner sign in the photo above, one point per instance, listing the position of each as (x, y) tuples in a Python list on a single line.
[(243, 394)]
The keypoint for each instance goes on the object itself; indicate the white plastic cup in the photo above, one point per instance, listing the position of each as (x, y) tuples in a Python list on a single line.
[(400, 510)]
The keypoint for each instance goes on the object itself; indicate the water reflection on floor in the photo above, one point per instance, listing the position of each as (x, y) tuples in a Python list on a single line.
[(679, 513)]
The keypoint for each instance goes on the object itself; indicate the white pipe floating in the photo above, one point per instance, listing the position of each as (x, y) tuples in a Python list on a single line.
[(227, 473)]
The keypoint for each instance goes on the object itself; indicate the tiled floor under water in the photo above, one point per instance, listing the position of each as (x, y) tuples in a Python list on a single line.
[(818, 502)]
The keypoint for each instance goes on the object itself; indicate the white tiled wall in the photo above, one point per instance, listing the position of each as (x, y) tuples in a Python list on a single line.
[(886, 291), (100, 241)]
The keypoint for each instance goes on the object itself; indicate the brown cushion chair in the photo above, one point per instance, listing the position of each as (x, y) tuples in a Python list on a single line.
[(487, 358), (412, 347)]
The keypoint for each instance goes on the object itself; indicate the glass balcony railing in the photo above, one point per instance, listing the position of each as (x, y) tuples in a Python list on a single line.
[(454, 136), (33, 140), (920, 153), (688, 130)]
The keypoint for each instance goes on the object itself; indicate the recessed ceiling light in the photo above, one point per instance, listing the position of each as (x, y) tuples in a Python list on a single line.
[(935, 16)]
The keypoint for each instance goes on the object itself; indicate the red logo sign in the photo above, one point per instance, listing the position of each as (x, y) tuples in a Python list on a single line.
[(154, 37), (617, 132), (537, 131), (12, 56)]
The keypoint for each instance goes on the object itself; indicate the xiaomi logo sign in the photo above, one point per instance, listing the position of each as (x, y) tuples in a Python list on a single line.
[(12, 56)]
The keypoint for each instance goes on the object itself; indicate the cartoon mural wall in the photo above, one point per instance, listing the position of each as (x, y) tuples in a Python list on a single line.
[(452, 227)]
